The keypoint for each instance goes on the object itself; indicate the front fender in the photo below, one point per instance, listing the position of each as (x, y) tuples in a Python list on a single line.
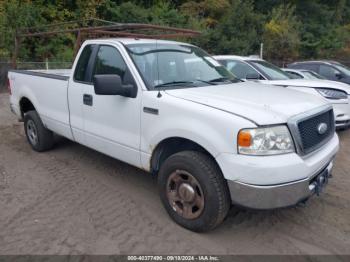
[(213, 129)]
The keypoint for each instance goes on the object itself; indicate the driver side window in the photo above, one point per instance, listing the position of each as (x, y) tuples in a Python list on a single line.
[(109, 61)]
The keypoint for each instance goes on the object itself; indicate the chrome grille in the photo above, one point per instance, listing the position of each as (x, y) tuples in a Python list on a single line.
[(309, 131)]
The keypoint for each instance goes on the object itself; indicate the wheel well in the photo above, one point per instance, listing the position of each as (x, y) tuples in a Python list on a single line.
[(171, 146), (26, 105)]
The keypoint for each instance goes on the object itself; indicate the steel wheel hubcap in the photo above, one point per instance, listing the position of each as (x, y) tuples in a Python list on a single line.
[(185, 194), (32, 132)]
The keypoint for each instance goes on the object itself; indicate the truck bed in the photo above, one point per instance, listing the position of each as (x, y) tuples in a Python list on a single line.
[(60, 74), (48, 91)]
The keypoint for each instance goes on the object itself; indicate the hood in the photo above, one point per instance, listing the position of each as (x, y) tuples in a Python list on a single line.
[(310, 83), (261, 104)]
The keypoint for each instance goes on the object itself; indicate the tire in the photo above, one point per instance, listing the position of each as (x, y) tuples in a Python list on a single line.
[(38, 136), (209, 188)]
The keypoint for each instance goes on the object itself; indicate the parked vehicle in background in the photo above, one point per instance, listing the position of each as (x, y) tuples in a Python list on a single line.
[(254, 69), (171, 109), (331, 70), (302, 74)]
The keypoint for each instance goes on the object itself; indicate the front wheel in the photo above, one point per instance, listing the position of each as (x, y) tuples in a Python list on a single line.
[(193, 191)]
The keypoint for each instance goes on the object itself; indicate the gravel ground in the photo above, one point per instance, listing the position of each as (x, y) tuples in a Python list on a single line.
[(73, 200)]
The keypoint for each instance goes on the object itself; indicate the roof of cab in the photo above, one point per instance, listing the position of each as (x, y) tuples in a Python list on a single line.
[(236, 57), (127, 41), (295, 70), (316, 62)]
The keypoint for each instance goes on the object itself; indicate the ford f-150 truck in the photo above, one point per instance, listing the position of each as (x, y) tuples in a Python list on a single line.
[(171, 109)]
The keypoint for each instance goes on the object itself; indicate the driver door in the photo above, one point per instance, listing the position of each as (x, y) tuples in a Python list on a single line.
[(111, 122)]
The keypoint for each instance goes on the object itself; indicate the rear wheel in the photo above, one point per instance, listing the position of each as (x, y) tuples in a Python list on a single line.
[(38, 136), (193, 191)]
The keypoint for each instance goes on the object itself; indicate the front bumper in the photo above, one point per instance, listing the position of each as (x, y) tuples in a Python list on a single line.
[(341, 124), (342, 115), (267, 182), (277, 196)]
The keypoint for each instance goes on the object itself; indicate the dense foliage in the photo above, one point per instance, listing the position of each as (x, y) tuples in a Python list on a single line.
[(289, 29)]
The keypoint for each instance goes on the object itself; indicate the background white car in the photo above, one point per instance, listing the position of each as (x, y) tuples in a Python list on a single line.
[(303, 74), (255, 69)]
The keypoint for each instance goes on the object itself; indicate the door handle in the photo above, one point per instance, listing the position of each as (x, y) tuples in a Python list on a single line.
[(87, 100)]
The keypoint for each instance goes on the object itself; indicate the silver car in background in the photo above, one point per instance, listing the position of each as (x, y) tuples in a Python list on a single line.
[(259, 70), (303, 74)]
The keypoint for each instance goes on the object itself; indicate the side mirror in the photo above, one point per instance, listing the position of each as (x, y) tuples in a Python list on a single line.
[(339, 75), (112, 85), (252, 76)]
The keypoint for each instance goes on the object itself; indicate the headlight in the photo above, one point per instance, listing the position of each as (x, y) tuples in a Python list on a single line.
[(332, 93), (265, 141)]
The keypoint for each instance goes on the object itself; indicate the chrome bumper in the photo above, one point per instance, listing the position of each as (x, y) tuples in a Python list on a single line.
[(278, 196)]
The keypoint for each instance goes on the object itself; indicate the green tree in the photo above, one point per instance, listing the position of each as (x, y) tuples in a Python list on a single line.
[(281, 34), (15, 14), (289, 28), (238, 31), (208, 12)]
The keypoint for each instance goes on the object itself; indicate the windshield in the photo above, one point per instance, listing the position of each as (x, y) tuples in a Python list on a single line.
[(343, 69), (312, 75), (176, 65), (271, 71), (294, 75)]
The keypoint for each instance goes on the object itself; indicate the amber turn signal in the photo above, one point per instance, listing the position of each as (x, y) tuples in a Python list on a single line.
[(244, 139)]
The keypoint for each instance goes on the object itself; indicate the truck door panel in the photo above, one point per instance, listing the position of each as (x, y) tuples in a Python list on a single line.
[(77, 85), (112, 123)]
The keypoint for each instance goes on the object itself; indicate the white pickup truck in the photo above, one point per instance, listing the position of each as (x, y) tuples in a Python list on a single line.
[(171, 109)]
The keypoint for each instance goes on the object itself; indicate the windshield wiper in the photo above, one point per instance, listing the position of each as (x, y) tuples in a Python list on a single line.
[(220, 79), (174, 83), (206, 82), (226, 79)]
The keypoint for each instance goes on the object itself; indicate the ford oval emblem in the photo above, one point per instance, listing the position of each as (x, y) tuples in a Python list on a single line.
[(322, 128)]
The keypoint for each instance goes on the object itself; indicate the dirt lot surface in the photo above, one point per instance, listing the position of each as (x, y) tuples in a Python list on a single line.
[(73, 200)]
